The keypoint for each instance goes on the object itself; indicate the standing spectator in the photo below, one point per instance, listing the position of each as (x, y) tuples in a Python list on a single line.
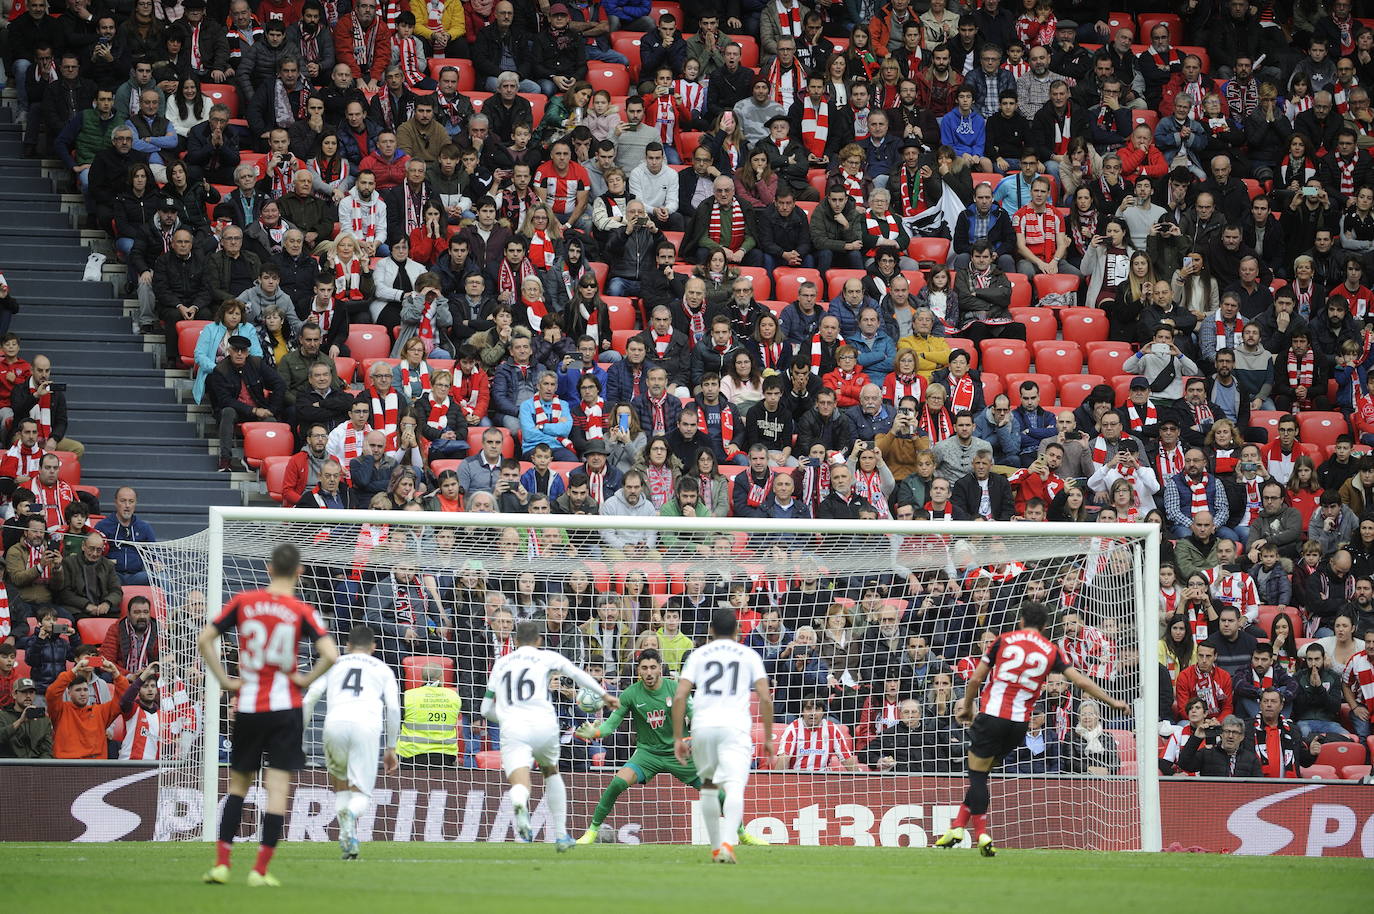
[(25, 731), (78, 722), (122, 531)]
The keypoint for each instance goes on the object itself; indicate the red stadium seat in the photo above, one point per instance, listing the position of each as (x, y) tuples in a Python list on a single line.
[(624, 315), (489, 758), (601, 269), (1321, 428), (1006, 356), (1058, 358), (992, 386), (1046, 283), (818, 180), (619, 338), (1014, 379), (787, 279), (274, 474), (1322, 772), (1339, 755), (1020, 290), (188, 334), (748, 46), (988, 177), (776, 307), (1118, 21), (808, 207), (1083, 325), (917, 280), (537, 104), (412, 670), (1148, 21), (1265, 619), (1268, 419), (220, 93), (467, 76), (346, 367), (21, 666), (627, 44), (835, 280), (1074, 388), (507, 443), (688, 141), (763, 282), (1125, 745), (155, 596), (92, 631), (1147, 117), (1121, 387), (1356, 772), (660, 7), (1106, 358), (614, 78), (69, 468), (266, 439), (929, 250), (368, 341), (1039, 323), (956, 342)]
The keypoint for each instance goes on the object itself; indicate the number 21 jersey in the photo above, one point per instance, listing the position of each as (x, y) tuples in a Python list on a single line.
[(723, 673), (1020, 661), (269, 626)]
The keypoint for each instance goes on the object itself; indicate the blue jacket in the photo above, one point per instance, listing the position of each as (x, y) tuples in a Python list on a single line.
[(1000, 234), (866, 427), (556, 485), (121, 538), (672, 408), (619, 384), (625, 9), (849, 320), (1033, 428), (875, 357), (1004, 440), (509, 389), (551, 433), (569, 380), (975, 81), (798, 328), (965, 135), (46, 657), (348, 144), (207, 347)]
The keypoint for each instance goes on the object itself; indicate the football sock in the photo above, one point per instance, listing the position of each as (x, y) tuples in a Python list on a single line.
[(271, 834), (358, 804), (556, 795), (608, 797), (341, 798), (228, 827), (710, 814), (961, 819), (980, 824), (733, 810), (977, 797), (519, 795)]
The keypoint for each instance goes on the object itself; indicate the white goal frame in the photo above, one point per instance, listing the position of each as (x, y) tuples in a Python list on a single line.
[(1145, 711)]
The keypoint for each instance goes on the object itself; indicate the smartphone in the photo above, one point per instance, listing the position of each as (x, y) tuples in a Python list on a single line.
[(58, 387), (1309, 191), (1188, 262), (33, 713), (1159, 348), (625, 422)]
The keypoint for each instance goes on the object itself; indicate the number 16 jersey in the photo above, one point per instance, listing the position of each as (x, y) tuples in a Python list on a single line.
[(1020, 662), (519, 684), (723, 673), (269, 626)]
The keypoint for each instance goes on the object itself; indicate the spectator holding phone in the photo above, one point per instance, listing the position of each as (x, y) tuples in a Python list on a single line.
[(33, 566), (78, 721), (25, 730)]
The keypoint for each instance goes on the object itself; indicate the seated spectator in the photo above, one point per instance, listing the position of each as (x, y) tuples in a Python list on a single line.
[(814, 742), (370, 472), (40, 401), (78, 722), (982, 493), (33, 566), (445, 426), (331, 491), (235, 376), (91, 588), (1090, 748), (134, 642)]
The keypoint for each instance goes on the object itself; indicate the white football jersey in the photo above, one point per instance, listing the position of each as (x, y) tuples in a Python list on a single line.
[(361, 689), (723, 673), (519, 683)]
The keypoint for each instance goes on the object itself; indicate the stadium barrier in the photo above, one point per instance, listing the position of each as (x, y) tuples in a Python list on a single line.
[(112, 801)]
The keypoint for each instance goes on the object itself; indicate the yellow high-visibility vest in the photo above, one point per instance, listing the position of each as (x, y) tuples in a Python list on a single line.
[(431, 722)]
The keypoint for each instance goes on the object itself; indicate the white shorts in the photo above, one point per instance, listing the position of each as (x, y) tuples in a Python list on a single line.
[(525, 743), (722, 755), (351, 752)]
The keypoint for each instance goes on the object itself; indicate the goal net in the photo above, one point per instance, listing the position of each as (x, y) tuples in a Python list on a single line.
[(868, 630)]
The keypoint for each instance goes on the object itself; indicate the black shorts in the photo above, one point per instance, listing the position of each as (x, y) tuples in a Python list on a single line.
[(993, 737), (269, 739)]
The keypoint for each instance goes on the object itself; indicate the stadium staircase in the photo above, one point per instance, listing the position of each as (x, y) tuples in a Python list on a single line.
[(134, 417)]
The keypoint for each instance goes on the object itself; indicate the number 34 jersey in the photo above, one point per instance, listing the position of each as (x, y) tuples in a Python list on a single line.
[(519, 685), (723, 673), (269, 627), (1020, 661)]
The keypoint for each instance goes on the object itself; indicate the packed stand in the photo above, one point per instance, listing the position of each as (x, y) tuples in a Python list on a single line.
[(747, 261)]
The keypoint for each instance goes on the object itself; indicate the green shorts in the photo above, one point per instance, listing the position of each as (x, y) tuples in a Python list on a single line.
[(648, 764)]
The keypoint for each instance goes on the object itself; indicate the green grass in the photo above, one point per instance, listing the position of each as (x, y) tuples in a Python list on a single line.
[(154, 878)]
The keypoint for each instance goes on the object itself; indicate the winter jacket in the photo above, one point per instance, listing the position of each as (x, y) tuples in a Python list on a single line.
[(1213, 762), (510, 387), (1001, 235), (103, 579), (829, 235), (121, 539), (47, 658), (207, 351), (79, 733)]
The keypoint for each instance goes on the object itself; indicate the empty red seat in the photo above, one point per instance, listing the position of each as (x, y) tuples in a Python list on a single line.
[(1040, 324), (266, 439), (223, 94), (786, 280), (488, 758), (929, 250), (467, 76), (614, 78), (368, 341), (1323, 772), (345, 366), (992, 386), (1020, 290), (1339, 755), (1058, 357), (274, 475), (1074, 388), (622, 312), (1084, 325), (620, 338), (1322, 428), (1106, 358), (1268, 419), (188, 334), (1006, 356), (1148, 21), (1059, 283), (69, 468), (92, 631), (627, 44)]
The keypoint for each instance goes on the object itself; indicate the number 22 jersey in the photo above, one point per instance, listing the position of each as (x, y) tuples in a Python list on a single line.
[(269, 627), (1020, 661)]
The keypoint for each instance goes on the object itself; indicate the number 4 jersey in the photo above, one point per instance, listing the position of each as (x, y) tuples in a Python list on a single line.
[(361, 690), (269, 627), (1020, 661), (723, 673)]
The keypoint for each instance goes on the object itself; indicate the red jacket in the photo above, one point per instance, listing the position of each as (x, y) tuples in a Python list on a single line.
[(1174, 86), (80, 732), (1137, 162), (1186, 687), (381, 55), (846, 392), (1028, 485), (464, 388), (21, 369), (389, 174), (295, 482), (288, 11)]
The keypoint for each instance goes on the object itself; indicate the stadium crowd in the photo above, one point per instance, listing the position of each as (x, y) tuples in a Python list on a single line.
[(762, 259)]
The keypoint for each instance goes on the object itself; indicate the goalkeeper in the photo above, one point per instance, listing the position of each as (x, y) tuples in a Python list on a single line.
[(648, 700)]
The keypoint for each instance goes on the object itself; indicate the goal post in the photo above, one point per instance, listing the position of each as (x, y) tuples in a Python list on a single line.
[(441, 585)]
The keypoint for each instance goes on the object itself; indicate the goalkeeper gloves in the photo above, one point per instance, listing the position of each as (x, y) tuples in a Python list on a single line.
[(588, 732)]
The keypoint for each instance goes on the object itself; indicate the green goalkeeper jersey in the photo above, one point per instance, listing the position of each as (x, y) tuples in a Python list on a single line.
[(652, 717)]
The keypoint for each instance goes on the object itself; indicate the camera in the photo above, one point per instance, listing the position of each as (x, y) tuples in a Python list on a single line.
[(58, 387), (33, 713)]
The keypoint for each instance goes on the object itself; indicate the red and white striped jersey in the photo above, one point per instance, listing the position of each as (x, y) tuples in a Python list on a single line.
[(269, 626), (815, 748), (1020, 662), (1359, 675), (1235, 588), (1091, 652), (561, 191), (142, 735)]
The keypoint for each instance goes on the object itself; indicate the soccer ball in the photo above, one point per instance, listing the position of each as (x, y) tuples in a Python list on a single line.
[(588, 701)]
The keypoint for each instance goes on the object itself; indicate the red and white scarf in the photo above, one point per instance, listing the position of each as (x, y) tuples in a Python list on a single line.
[(868, 485), (939, 426), (1063, 130), (696, 322), (365, 43), (36, 561), (787, 84), (715, 230), (26, 461), (1360, 676), (1198, 499), (389, 412), (815, 126), (422, 369), (593, 420), (909, 183), (1231, 340), (757, 494), (854, 187), (899, 386), (507, 281), (348, 280), (789, 17), (1169, 463), (323, 317), (550, 413), (542, 250), (1138, 422), (816, 351), (438, 413), (882, 226), (195, 46), (42, 410), (363, 223), (961, 394), (535, 311), (409, 53), (660, 421)]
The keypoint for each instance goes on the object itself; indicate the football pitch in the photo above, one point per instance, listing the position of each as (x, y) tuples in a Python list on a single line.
[(132, 877)]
